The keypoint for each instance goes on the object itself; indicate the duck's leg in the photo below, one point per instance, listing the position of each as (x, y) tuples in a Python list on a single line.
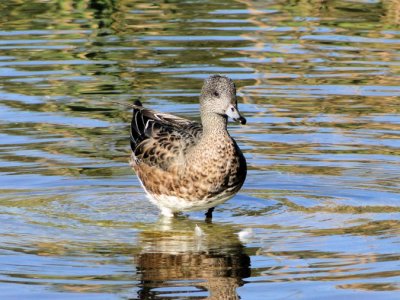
[(209, 214)]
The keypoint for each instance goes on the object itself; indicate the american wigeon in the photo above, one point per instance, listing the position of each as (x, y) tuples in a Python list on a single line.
[(184, 165)]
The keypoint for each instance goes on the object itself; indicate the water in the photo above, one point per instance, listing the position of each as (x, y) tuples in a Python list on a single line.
[(319, 84)]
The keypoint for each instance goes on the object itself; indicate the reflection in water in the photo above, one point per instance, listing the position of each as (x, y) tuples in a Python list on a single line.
[(173, 253)]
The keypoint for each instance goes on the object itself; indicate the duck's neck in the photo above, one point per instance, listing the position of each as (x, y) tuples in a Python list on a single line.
[(213, 124)]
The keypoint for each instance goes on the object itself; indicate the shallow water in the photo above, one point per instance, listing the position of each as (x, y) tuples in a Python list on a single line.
[(319, 84)]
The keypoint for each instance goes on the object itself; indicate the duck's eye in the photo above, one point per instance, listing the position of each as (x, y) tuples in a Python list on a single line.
[(216, 94)]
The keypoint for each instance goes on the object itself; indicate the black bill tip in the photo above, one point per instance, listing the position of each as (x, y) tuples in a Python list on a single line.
[(241, 120)]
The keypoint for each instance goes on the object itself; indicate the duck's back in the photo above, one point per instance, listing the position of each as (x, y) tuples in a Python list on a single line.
[(161, 140)]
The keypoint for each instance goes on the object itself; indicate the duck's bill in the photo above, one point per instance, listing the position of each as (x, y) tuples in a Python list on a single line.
[(233, 113)]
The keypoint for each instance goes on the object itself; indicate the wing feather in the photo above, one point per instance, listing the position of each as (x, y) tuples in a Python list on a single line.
[(160, 139)]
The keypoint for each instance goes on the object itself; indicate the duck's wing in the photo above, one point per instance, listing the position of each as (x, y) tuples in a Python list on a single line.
[(160, 139)]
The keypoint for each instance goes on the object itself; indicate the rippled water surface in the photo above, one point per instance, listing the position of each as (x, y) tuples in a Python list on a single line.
[(319, 84)]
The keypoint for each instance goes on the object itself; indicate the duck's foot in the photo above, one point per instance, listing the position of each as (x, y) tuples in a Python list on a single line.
[(209, 214)]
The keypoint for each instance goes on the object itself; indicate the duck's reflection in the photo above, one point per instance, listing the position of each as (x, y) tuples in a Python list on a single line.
[(174, 260)]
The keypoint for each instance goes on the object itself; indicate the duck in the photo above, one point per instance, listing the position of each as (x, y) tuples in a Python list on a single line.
[(184, 165)]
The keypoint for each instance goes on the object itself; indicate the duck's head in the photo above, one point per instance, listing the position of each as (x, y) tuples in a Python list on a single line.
[(218, 96)]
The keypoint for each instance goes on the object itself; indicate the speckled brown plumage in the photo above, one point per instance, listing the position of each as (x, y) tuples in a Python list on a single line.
[(184, 165)]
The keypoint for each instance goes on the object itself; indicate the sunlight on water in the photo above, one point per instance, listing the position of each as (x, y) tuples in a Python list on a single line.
[(319, 84)]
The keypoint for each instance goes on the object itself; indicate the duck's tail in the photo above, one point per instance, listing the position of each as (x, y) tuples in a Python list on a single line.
[(138, 125)]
